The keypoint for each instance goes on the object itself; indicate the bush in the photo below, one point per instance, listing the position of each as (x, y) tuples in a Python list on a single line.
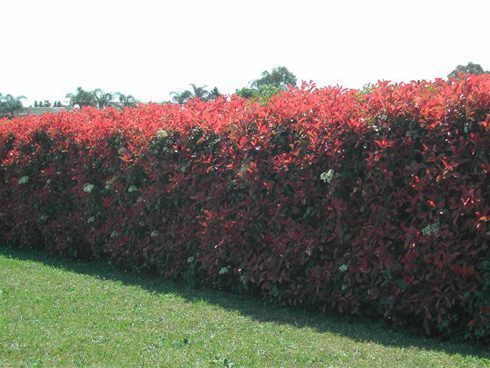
[(374, 202)]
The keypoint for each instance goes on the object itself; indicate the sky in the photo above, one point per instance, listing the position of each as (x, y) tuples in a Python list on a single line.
[(149, 48)]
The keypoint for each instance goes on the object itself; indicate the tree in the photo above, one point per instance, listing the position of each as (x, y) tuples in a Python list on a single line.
[(196, 91), (199, 92), (181, 97), (469, 68), (261, 94), (82, 98), (279, 77), (102, 99), (214, 94), (269, 84), (125, 100), (10, 105), (246, 92)]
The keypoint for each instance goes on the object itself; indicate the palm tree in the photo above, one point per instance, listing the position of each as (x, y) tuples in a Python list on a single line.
[(10, 105), (199, 92), (125, 100), (181, 97), (102, 99), (82, 98), (214, 94)]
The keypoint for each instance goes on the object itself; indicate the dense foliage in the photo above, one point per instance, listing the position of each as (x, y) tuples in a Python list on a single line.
[(374, 201)]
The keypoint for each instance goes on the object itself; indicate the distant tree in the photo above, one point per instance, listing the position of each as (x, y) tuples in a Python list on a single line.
[(46, 103), (99, 98), (261, 94), (125, 100), (35, 103), (82, 98), (269, 84), (246, 92), (199, 92), (469, 68), (214, 94), (279, 77), (10, 105), (196, 91), (181, 97), (102, 99)]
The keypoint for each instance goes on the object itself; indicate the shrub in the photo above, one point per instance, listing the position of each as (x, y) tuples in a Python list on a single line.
[(374, 202)]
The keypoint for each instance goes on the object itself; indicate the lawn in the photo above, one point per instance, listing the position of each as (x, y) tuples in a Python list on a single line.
[(57, 312)]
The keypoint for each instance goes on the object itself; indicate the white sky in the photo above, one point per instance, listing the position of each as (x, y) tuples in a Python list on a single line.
[(150, 48)]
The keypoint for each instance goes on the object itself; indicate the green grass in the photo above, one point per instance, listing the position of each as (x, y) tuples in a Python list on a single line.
[(70, 314)]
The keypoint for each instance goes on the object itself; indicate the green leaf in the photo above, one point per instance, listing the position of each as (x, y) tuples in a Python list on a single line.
[(24, 180), (223, 270), (343, 268), (87, 187)]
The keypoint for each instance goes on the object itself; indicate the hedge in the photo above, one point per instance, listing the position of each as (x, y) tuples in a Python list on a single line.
[(372, 202)]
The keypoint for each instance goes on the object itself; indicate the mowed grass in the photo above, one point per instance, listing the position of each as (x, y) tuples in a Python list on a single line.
[(61, 313)]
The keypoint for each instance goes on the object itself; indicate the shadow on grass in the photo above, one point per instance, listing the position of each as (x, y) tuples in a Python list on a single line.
[(356, 328)]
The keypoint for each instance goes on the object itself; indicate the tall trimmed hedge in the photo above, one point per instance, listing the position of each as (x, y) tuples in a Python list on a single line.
[(363, 202)]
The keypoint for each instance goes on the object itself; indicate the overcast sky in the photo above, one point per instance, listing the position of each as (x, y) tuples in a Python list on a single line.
[(149, 48)]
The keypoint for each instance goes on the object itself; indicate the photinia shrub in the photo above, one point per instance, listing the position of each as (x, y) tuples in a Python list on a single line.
[(370, 202)]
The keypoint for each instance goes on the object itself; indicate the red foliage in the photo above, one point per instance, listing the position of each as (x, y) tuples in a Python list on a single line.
[(329, 198)]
